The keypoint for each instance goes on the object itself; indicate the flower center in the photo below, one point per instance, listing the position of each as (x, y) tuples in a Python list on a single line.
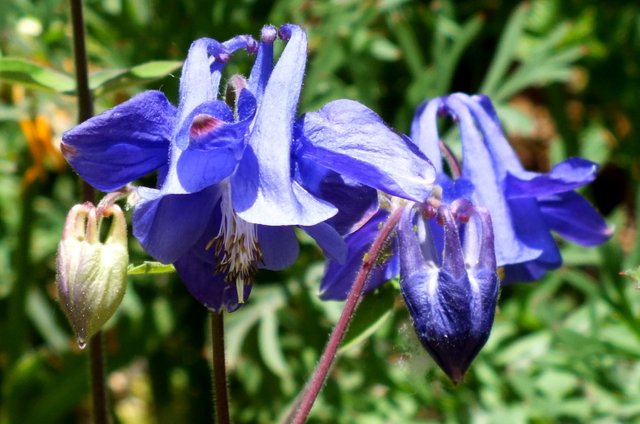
[(236, 246)]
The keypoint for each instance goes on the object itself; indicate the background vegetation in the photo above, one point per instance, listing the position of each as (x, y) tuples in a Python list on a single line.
[(566, 78)]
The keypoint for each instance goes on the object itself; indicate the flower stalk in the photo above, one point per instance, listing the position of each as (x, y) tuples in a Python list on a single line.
[(219, 369), (85, 111), (315, 384)]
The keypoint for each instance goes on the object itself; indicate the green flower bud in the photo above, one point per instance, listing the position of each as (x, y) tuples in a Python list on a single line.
[(91, 275)]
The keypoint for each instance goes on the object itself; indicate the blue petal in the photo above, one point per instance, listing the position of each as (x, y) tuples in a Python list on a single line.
[(351, 139), (263, 64), (338, 278), (534, 232), (505, 158), (424, 131), (329, 241), (196, 269), (478, 167), (528, 271), (215, 146), (356, 202), (571, 216), (247, 105), (279, 247), (122, 144), (197, 83), (216, 109), (167, 226), (565, 176), (262, 188)]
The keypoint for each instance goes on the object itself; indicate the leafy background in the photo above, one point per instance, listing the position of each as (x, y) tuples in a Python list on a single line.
[(566, 78)]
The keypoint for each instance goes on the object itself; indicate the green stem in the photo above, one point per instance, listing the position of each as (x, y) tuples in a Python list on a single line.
[(218, 371), (315, 384)]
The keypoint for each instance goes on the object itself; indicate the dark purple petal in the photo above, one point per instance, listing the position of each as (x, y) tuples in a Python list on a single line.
[(196, 269), (331, 243), (528, 271), (122, 144), (351, 139), (452, 312), (573, 218), (338, 278), (356, 202), (565, 176), (167, 226), (206, 286), (279, 247), (263, 190)]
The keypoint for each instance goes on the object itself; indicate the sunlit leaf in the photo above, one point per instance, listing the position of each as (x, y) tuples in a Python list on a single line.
[(148, 267), (113, 79), (33, 75)]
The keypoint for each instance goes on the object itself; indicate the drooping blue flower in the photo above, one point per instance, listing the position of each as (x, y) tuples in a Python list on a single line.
[(230, 189), (525, 206), (449, 281), (443, 251)]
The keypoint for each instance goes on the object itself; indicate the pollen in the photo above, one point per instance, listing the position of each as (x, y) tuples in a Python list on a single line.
[(236, 246)]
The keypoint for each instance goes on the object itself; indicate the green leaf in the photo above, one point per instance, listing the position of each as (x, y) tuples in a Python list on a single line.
[(42, 315), (113, 79), (148, 267), (269, 344), (263, 300), (374, 310), (506, 50), (447, 57), (33, 75)]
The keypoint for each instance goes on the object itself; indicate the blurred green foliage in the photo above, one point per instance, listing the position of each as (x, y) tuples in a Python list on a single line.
[(566, 79)]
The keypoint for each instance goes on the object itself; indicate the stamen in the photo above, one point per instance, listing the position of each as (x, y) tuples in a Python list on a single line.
[(236, 246)]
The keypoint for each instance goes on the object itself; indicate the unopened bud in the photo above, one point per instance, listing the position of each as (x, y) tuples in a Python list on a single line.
[(449, 282), (91, 274)]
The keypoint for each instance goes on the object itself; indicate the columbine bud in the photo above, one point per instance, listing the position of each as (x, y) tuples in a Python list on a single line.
[(449, 283), (92, 275)]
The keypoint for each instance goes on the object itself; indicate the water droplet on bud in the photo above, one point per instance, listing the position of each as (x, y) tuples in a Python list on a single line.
[(81, 343)]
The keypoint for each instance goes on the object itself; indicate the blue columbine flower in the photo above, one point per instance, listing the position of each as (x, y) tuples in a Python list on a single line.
[(228, 192), (443, 250), (448, 280), (524, 205)]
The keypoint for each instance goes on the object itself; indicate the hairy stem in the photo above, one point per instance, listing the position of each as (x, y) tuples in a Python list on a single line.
[(219, 371), (85, 111), (315, 384), (98, 386)]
